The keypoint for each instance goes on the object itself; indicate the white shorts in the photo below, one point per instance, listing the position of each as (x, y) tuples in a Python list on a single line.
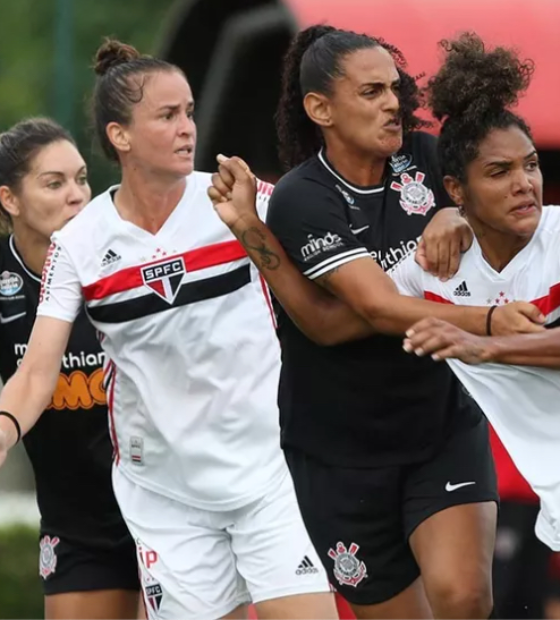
[(202, 564)]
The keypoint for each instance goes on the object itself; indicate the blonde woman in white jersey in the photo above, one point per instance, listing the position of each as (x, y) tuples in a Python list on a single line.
[(193, 365)]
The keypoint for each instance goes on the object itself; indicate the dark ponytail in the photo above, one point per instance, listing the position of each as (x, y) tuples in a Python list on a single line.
[(291, 118), (311, 63)]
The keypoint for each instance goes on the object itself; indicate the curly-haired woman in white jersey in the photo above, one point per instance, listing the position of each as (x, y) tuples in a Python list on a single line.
[(192, 370)]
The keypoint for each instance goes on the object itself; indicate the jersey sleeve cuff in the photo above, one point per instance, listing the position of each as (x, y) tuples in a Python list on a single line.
[(335, 261), (54, 314)]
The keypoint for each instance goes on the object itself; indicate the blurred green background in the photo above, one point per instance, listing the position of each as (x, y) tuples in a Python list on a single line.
[(46, 51)]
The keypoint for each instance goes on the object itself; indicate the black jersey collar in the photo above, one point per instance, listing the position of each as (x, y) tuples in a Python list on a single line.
[(19, 259), (375, 189)]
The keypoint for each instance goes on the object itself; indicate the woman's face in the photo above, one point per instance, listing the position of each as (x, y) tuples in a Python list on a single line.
[(53, 191), (161, 137), (504, 184), (363, 108)]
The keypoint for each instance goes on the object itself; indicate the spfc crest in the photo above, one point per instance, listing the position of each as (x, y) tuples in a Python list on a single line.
[(164, 278), (415, 196), (154, 594)]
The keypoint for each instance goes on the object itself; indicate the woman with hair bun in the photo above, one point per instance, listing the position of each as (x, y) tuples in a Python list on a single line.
[(192, 365), (87, 559), (491, 169), (390, 458)]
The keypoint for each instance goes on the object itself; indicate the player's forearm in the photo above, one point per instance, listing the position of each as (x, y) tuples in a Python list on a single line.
[(25, 396), (527, 349), (320, 316), (395, 314)]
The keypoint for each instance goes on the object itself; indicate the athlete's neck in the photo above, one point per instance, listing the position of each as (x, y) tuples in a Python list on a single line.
[(498, 248), (357, 168), (147, 200), (32, 247)]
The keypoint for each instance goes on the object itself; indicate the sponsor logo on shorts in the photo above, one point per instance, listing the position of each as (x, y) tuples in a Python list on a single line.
[(148, 557), (453, 487), (306, 567), (348, 569), (10, 283), (153, 592), (47, 556)]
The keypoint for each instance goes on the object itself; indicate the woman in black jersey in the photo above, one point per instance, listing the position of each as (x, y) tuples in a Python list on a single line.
[(87, 557), (390, 458)]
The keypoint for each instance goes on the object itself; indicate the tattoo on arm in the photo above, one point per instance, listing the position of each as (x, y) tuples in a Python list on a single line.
[(254, 239)]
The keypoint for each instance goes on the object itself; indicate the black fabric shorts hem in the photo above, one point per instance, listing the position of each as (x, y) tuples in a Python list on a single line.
[(360, 520), (69, 567)]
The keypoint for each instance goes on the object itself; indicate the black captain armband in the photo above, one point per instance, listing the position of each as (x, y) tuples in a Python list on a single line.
[(12, 417)]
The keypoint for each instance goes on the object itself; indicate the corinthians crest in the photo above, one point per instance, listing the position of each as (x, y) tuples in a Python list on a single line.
[(47, 556), (415, 196), (348, 569)]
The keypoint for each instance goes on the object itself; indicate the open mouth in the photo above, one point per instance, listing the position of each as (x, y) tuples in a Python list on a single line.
[(393, 123), (527, 207), (185, 150)]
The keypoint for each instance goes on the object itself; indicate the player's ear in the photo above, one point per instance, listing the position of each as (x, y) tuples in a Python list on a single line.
[(9, 201), (455, 189)]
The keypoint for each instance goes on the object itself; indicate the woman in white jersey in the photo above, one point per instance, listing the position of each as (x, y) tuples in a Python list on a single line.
[(192, 366)]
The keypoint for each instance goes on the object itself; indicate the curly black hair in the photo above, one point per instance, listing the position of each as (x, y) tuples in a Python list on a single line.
[(472, 93), (311, 63)]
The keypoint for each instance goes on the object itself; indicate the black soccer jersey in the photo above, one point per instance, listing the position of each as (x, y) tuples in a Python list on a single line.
[(367, 402), (69, 447)]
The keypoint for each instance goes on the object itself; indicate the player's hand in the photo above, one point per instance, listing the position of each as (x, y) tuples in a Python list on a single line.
[(518, 317), (3, 447), (444, 239), (442, 341), (233, 191)]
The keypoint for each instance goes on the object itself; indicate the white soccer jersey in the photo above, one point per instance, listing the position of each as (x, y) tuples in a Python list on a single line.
[(521, 402), (193, 360)]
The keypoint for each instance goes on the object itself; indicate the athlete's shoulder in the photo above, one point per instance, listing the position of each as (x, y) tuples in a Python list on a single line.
[(550, 220), (305, 187)]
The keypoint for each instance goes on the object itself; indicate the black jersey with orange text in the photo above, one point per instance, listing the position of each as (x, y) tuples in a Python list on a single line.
[(69, 447), (363, 403)]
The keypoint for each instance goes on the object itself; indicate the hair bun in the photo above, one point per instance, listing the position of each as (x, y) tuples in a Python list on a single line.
[(112, 53), (474, 80)]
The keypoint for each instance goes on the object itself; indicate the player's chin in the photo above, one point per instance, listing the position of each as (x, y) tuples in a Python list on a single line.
[(388, 143), (526, 226)]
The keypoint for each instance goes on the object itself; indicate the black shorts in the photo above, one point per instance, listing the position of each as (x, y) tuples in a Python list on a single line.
[(70, 567), (359, 520)]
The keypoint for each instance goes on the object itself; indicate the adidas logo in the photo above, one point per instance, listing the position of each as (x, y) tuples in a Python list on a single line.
[(462, 290), (110, 258), (306, 567)]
